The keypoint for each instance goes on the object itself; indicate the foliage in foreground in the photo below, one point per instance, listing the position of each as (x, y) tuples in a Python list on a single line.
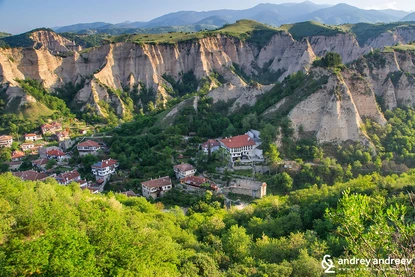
[(47, 229)]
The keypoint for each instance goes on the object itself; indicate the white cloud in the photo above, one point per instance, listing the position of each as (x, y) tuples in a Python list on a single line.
[(389, 5)]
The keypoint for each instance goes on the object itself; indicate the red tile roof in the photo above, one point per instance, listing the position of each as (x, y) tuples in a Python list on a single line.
[(30, 175), (105, 163), (5, 138), (194, 180), (30, 135), (17, 154), (68, 176), (89, 143), (238, 141), (55, 153), (212, 143), (158, 183), (183, 167)]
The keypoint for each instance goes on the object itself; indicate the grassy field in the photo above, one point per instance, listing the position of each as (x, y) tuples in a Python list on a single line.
[(33, 111), (311, 28), (366, 31), (406, 47), (249, 30)]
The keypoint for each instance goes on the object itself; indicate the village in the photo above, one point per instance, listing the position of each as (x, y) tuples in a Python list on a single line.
[(47, 154)]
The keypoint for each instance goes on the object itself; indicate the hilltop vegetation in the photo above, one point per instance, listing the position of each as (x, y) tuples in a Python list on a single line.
[(248, 30), (310, 28)]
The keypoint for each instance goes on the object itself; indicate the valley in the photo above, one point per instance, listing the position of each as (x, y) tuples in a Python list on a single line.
[(311, 126)]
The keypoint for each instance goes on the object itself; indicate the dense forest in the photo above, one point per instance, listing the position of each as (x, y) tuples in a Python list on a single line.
[(52, 230)]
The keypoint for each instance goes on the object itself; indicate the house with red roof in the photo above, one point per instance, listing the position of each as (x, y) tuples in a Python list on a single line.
[(69, 177), (57, 155), (239, 146), (104, 169), (32, 137), (211, 145), (6, 141), (156, 187), (61, 136), (184, 170), (40, 164), (88, 147), (13, 166), (51, 128), (31, 175), (197, 183), (17, 155), (27, 146)]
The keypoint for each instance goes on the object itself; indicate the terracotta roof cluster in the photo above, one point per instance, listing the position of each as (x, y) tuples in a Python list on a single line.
[(30, 175), (17, 154), (158, 183), (5, 138), (211, 142), (105, 163), (63, 134), (49, 127), (183, 167), (238, 141), (88, 143), (194, 180), (55, 153), (68, 176)]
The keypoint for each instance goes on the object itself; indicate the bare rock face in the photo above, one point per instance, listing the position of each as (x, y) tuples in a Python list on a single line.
[(241, 96), (334, 113), (344, 44), (52, 41), (401, 35)]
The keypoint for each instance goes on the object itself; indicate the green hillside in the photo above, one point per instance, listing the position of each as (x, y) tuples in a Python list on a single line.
[(310, 28), (249, 30), (367, 31), (3, 34)]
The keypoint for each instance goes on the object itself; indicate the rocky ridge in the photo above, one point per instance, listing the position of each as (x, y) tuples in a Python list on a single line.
[(57, 61)]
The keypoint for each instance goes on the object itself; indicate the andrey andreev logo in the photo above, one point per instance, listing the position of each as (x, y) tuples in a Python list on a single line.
[(327, 264)]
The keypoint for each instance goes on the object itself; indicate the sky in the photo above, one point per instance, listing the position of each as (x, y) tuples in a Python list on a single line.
[(17, 16)]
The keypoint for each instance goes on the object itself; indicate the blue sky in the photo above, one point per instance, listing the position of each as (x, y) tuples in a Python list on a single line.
[(17, 16)]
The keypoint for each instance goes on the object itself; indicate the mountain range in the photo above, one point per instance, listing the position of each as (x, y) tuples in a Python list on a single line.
[(271, 14)]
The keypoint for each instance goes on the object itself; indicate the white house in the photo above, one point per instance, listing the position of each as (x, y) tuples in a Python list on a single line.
[(57, 155), (27, 146), (157, 187), (239, 146), (184, 170), (104, 169), (32, 137), (6, 141), (88, 147)]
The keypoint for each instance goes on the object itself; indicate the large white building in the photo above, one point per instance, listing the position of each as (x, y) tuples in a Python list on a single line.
[(104, 169), (88, 147), (157, 187), (239, 146)]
